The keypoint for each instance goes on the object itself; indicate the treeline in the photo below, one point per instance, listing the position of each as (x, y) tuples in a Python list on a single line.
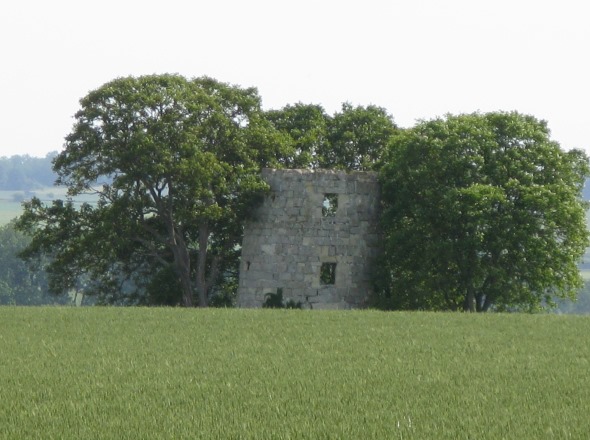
[(22, 284), (480, 211), (26, 173)]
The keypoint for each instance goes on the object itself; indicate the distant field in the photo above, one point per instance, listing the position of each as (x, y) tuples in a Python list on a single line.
[(72, 373), (8, 211), (10, 201)]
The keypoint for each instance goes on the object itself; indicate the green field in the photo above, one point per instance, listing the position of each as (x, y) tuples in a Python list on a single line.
[(10, 207), (273, 374), (10, 201)]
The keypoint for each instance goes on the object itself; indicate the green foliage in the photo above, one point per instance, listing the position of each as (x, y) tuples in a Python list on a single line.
[(175, 164), (357, 138), (272, 374), (273, 300), (225, 292), (305, 128), (328, 273), (352, 139), (164, 288), (292, 304), (276, 301), (330, 205), (20, 284), (481, 211), (11, 201), (579, 305), (9, 209)]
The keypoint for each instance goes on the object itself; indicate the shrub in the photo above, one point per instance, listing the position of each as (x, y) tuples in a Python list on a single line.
[(275, 301)]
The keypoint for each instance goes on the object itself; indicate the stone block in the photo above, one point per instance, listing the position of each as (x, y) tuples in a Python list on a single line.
[(289, 237)]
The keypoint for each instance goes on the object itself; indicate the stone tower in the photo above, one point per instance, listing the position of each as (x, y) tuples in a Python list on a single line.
[(316, 237)]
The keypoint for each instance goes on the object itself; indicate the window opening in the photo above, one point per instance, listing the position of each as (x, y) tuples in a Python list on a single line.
[(328, 273), (330, 205)]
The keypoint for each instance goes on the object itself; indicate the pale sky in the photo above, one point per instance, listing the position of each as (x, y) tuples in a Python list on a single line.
[(417, 58)]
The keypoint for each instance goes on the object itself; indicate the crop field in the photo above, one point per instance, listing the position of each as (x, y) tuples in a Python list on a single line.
[(138, 373), (10, 206), (10, 201)]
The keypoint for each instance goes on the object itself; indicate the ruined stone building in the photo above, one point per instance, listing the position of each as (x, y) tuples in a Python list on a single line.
[(315, 237)]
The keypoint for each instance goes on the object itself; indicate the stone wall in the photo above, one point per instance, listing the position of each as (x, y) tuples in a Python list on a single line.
[(315, 237)]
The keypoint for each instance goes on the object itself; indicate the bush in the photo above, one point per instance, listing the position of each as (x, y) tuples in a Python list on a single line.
[(275, 301)]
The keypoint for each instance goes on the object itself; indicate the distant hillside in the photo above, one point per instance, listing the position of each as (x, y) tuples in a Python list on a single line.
[(26, 173)]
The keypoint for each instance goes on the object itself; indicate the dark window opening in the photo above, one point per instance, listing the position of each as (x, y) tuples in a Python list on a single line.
[(328, 273), (330, 205)]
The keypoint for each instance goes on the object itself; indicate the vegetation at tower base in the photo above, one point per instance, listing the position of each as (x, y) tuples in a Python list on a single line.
[(175, 164), (481, 211)]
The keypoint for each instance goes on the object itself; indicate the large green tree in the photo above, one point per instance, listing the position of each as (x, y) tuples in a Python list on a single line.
[(357, 138), (354, 138), (175, 165), (481, 211), (305, 129)]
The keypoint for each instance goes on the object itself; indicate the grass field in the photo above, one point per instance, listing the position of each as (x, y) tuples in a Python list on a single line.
[(10, 201), (9, 207), (273, 374)]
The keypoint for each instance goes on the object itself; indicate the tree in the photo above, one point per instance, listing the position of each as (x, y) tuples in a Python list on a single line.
[(175, 165), (19, 284), (306, 128), (581, 305), (481, 211), (357, 138), (353, 139)]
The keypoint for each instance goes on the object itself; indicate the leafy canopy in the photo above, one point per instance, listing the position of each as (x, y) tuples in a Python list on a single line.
[(357, 138), (175, 166), (481, 211), (352, 139), (19, 284)]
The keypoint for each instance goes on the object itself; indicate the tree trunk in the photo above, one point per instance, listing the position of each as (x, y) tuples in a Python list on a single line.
[(470, 302), (487, 304), (187, 289), (467, 277), (182, 262), (174, 241), (183, 269), (202, 285)]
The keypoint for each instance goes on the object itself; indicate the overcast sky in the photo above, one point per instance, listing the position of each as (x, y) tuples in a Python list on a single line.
[(417, 58)]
